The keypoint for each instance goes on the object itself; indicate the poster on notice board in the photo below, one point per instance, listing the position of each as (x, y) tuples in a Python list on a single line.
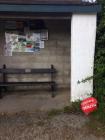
[(19, 43)]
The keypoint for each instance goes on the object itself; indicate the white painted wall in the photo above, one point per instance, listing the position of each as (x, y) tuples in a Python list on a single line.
[(83, 34)]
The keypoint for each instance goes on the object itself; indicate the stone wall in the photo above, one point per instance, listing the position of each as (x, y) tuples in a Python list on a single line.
[(56, 52)]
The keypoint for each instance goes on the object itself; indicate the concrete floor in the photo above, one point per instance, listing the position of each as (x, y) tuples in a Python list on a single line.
[(30, 101)]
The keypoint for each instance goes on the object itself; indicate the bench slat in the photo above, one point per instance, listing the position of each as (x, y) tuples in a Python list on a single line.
[(25, 83), (27, 71)]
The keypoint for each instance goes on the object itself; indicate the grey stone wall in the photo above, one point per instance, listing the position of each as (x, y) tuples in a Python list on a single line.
[(56, 52)]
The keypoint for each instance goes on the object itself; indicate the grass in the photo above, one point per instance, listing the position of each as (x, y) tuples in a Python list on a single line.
[(54, 112), (73, 108), (97, 121)]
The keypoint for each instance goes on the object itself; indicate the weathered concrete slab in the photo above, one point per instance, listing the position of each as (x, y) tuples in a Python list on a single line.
[(31, 101)]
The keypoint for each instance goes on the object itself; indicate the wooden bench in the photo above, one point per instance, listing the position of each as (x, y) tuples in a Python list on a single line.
[(4, 71)]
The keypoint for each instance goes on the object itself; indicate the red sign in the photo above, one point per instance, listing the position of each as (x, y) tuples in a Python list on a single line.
[(89, 105)]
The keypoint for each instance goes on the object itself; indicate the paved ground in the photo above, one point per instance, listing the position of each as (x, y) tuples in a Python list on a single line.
[(24, 116), (38, 126), (30, 101)]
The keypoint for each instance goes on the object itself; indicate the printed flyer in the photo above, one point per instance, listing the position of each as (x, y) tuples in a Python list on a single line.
[(18, 43)]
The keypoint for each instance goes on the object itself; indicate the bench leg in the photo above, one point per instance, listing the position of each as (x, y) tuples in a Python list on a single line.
[(53, 89), (1, 96), (5, 89)]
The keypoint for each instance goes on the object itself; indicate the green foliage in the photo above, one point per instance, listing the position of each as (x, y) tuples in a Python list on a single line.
[(99, 115), (85, 80), (96, 123), (73, 108), (99, 71), (54, 112)]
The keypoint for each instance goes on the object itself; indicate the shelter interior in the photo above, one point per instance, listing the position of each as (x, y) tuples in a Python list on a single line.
[(54, 48)]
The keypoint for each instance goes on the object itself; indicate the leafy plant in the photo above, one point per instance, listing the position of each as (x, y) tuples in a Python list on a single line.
[(99, 68)]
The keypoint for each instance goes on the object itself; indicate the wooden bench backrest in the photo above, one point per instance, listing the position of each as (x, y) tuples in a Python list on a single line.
[(5, 70)]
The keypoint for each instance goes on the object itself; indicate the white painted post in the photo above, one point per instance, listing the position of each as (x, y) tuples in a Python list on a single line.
[(83, 34)]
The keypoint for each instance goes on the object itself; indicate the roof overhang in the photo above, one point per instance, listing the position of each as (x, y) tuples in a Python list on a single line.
[(47, 8)]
